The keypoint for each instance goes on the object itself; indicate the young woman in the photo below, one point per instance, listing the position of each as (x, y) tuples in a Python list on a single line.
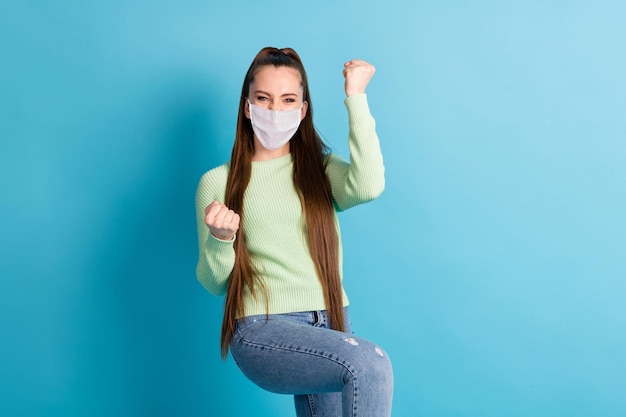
[(269, 239)]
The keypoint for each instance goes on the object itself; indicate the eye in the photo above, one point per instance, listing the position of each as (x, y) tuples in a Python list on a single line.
[(261, 98), (290, 100)]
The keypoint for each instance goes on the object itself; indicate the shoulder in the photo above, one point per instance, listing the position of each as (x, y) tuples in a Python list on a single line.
[(334, 160), (213, 182), (216, 174)]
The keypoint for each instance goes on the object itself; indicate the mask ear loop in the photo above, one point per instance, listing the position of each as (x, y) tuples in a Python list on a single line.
[(249, 115)]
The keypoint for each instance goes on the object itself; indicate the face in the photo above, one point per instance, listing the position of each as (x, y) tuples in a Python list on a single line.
[(277, 88)]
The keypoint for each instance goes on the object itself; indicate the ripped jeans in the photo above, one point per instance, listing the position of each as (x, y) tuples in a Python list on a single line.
[(330, 373)]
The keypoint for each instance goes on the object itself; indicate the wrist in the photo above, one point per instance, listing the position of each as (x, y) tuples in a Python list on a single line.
[(354, 92), (224, 238)]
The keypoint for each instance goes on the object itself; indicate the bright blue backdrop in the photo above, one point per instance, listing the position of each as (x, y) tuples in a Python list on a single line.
[(492, 268)]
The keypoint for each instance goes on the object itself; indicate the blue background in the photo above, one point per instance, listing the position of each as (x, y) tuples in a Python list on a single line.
[(492, 268)]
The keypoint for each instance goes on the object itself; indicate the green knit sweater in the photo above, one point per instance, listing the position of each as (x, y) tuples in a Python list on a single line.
[(273, 223)]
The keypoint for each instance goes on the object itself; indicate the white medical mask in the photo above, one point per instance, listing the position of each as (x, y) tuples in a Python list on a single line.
[(274, 128)]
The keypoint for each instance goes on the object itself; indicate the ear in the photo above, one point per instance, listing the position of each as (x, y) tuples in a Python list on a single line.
[(305, 107), (246, 108)]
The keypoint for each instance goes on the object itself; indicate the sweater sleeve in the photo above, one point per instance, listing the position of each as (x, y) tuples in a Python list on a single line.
[(216, 257), (363, 178)]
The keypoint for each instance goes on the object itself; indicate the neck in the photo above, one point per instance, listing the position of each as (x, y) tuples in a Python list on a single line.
[(262, 154)]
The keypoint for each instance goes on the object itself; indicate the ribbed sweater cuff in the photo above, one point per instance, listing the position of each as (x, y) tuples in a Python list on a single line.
[(357, 101), (359, 116), (215, 244)]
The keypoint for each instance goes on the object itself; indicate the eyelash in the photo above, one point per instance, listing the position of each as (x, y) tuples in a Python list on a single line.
[(288, 100)]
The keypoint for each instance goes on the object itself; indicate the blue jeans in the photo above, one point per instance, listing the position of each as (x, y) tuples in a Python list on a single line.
[(330, 373)]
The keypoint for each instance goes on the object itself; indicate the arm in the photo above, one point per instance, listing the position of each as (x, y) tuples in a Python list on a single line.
[(216, 256), (363, 178)]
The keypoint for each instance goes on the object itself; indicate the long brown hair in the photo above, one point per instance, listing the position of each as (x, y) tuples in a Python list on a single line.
[(310, 156)]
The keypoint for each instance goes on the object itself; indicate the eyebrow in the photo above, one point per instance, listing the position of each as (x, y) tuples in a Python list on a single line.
[(266, 93)]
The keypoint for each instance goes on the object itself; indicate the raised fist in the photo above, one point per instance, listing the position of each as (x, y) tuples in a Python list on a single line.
[(222, 222), (358, 74)]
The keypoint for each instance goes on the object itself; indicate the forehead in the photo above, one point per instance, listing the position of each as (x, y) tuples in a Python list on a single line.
[(277, 80)]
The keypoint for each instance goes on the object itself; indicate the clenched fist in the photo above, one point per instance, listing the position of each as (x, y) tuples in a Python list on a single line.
[(358, 74), (222, 222)]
